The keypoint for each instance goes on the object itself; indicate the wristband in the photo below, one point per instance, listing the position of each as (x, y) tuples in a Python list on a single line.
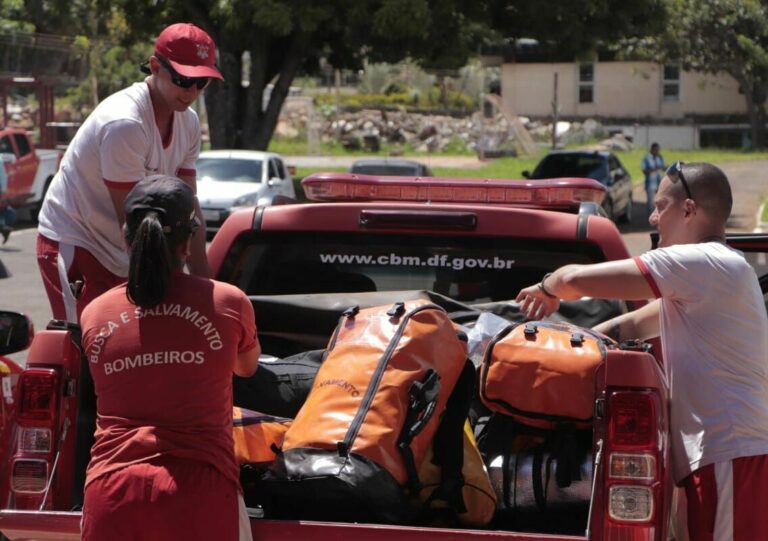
[(544, 289)]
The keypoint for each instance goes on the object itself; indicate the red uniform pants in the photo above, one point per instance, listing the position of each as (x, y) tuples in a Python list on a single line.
[(72, 276), (729, 500), (161, 500)]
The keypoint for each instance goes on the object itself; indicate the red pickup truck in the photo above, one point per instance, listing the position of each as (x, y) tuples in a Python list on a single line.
[(465, 244), (29, 170)]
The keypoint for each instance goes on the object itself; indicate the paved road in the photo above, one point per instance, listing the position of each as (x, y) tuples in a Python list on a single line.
[(24, 290)]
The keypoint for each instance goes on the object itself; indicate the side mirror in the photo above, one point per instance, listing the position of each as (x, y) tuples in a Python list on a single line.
[(16, 332), (618, 175), (274, 181), (527, 174)]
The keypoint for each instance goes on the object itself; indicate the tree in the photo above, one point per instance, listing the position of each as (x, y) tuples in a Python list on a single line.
[(728, 36), (283, 37)]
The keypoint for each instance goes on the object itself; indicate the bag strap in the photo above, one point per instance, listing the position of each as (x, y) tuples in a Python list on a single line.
[(422, 401), (448, 445)]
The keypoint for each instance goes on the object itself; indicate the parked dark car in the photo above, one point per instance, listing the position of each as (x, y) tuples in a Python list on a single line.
[(602, 166), (390, 167)]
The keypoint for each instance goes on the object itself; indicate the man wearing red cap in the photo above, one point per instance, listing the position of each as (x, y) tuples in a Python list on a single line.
[(145, 129)]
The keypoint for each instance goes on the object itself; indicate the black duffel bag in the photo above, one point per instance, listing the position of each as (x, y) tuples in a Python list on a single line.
[(279, 386)]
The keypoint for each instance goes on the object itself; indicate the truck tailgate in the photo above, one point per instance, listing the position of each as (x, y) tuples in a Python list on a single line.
[(54, 525)]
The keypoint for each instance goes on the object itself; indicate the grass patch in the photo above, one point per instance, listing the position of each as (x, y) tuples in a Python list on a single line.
[(514, 167), (764, 215)]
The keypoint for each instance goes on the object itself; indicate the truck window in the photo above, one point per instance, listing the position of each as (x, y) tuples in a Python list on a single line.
[(471, 270), (273, 169), (5, 145), (229, 170), (22, 143)]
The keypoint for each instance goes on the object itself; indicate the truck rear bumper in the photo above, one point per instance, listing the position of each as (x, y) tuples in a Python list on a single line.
[(55, 525)]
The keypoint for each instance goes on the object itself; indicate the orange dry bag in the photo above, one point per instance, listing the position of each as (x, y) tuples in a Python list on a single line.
[(257, 437), (539, 379), (543, 373), (354, 449)]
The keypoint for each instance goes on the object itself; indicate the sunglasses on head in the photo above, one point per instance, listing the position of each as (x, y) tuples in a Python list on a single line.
[(180, 80), (675, 172)]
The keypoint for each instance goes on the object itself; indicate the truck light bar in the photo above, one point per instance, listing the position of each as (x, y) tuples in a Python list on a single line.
[(548, 193)]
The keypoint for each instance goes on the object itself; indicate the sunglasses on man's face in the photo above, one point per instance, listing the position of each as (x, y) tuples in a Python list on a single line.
[(674, 173), (180, 80)]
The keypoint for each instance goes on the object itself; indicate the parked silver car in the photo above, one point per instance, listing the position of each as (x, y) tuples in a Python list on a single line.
[(230, 179)]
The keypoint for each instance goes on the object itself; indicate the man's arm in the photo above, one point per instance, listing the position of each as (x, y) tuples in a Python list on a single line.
[(645, 165), (641, 324), (247, 362), (198, 260), (610, 280), (118, 193)]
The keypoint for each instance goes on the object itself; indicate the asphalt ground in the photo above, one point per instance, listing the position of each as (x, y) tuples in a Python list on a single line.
[(23, 291)]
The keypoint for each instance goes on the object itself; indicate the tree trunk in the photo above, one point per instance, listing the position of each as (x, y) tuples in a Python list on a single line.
[(222, 100), (294, 56), (253, 111), (755, 111)]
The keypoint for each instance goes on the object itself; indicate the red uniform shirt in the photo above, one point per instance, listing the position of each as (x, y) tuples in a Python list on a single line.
[(163, 376)]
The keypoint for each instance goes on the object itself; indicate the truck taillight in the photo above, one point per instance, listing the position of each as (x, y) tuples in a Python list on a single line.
[(633, 447), (29, 476), (35, 440), (39, 391), (632, 466), (38, 396), (632, 419), (630, 503)]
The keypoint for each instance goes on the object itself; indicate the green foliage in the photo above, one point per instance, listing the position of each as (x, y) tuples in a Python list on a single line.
[(286, 37), (12, 17)]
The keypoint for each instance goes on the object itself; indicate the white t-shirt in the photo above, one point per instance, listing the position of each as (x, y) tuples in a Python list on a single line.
[(118, 144), (714, 333)]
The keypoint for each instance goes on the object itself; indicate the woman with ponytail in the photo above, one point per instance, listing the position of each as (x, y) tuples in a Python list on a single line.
[(162, 348)]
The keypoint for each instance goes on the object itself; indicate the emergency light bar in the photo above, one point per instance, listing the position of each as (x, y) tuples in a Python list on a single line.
[(545, 193)]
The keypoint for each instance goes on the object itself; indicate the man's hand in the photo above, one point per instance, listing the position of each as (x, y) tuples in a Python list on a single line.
[(535, 303)]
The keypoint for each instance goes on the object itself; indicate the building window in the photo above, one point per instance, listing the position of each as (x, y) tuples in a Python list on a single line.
[(670, 84), (587, 82)]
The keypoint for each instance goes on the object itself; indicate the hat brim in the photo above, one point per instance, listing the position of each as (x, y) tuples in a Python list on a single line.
[(196, 71)]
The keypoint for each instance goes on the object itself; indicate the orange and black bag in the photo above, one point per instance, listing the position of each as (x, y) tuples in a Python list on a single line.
[(354, 449), (257, 439), (543, 373), (257, 436), (539, 380)]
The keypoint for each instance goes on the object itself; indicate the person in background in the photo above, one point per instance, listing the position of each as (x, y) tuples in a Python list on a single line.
[(710, 314), (7, 212), (162, 349), (145, 129), (653, 167)]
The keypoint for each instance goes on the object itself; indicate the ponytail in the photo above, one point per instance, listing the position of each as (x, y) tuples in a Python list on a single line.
[(151, 261)]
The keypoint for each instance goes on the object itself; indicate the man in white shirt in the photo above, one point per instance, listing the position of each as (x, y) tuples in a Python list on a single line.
[(145, 129), (711, 317)]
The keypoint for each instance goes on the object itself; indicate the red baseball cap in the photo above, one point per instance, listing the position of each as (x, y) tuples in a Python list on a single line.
[(189, 50)]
